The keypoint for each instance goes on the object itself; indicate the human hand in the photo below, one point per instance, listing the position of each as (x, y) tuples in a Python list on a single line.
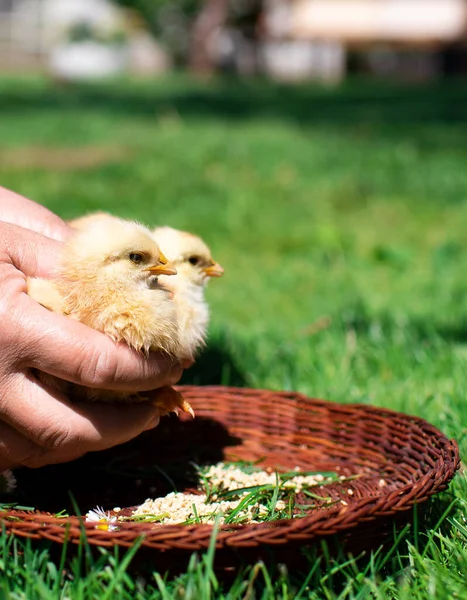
[(20, 211), (40, 426)]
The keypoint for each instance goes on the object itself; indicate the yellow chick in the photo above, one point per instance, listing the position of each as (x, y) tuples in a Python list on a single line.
[(108, 279), (45, 292), (86, 220), (195, 266)]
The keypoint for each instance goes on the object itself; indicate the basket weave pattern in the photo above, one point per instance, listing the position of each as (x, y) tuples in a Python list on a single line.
[(400, 461)]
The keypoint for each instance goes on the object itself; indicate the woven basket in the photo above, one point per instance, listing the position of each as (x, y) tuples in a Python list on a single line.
[(401, 461)]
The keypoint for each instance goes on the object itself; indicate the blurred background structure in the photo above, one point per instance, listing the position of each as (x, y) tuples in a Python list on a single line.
[(283, 39)]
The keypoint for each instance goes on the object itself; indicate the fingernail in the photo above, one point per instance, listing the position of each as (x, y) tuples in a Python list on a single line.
[(187, 363), (154, 422), (175, 374)]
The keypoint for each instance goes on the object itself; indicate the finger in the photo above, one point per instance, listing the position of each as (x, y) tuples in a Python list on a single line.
[(16, 449), (69, 350), (154, 422), (42, 456), (23, 212), (187, 363), (31, 253), (45, 418)]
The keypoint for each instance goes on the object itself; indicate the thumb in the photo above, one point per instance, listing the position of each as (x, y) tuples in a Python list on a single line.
[(23, 212), (33, 254)]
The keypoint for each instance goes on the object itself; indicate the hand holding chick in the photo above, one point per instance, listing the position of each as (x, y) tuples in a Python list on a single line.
[(39, 425), (108, 280)]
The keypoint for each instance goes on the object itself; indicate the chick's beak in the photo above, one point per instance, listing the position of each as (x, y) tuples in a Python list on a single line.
[(162, 258), (214, 270), (163, 267)]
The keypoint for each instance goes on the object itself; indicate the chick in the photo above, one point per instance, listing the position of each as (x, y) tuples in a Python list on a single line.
[(86, 220), (45, 292), (195, 266), (108, 280)]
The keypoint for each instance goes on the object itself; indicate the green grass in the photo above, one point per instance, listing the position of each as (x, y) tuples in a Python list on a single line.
[(339, 216)]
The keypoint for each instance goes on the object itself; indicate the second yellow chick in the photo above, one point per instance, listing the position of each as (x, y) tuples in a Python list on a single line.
[(195, 266)]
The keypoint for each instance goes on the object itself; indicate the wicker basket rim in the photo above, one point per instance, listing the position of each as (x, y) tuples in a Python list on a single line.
[(321, 522)]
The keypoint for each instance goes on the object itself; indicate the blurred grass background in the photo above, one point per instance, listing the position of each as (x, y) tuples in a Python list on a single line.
[(338, 214)]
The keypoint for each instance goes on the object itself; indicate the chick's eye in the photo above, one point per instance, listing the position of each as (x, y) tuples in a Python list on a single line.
[(136, 258), (193, 260)]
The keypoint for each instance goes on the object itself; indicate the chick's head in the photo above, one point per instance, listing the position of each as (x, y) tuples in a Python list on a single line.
[(114, 254), (85, 220), (189, 254)]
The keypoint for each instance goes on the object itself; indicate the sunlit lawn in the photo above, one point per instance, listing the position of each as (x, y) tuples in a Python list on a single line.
[(339, 216)]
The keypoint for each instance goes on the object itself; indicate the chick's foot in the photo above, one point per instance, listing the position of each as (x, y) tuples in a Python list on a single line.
[(168, 400)]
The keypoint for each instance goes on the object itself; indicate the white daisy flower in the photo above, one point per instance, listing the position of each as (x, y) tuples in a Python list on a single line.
[(102, 519)]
